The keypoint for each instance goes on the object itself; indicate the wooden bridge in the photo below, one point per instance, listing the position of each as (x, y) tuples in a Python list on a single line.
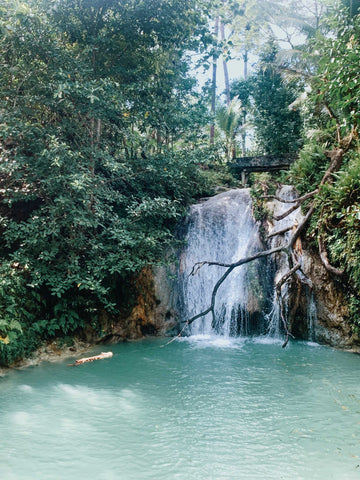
[(242, 166)]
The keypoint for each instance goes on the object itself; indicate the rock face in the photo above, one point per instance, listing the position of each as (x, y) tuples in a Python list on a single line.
[(331, 327), (330, 319), (153, 312), (156, 310)]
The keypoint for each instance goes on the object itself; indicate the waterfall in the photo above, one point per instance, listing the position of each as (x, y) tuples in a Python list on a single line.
[(311, 316), (220, 229), (286, 192)]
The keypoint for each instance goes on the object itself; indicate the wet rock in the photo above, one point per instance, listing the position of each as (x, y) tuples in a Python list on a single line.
[(331, 325), (153, 311), (52, 351)]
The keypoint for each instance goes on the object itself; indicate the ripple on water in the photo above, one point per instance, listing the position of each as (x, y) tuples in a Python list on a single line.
[(26, 388), (237, 409), (267, 340)]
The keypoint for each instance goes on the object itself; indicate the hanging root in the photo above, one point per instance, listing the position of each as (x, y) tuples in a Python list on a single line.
[(177, 336), (288, 334), (325, 260)]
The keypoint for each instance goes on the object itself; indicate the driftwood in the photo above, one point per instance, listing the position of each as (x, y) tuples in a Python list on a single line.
[(101, 356)]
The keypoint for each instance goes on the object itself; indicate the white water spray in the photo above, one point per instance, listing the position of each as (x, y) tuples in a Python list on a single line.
[(220, 229), (274, 323)]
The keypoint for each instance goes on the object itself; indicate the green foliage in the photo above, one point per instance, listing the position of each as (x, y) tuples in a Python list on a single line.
[(307, 172), (340, 219), (262, 184), (242, 90), (352, 5), (100, 145), (331, 122), (277, 127), (354, 308), (229, 120), (340, 222), (335, 92)]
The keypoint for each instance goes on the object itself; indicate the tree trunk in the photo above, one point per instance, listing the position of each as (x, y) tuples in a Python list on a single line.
[(246, 60), (243, 132), (213, 84), (225, 67)]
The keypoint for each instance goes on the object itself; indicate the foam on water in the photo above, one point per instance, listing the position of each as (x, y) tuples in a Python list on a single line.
[(82, 396), (26, 388), (218, 341), (267, 340), (213, 341), (21, 418), (313, 344)]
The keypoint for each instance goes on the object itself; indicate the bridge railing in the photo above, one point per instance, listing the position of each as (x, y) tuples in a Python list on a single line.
[(263, 163)]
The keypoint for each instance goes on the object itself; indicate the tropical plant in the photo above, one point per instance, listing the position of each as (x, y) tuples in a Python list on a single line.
[(96, 102)]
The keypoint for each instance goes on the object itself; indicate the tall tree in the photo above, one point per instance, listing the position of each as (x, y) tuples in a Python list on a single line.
[(277, 127), (94, 96), (215, 57)]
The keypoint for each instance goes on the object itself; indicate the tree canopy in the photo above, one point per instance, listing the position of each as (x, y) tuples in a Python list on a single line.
[(103, 138), (98, 114)]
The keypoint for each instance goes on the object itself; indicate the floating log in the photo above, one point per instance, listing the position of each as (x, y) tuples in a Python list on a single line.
[(91, 359)]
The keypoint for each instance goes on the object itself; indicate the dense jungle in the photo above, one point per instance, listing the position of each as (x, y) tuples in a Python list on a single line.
[(115, 116)]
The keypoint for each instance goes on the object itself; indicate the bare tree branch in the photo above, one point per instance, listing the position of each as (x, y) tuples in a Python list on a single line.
[(279, 284), (240, 262), (325, 260), (286, 277), (336, 157), (301, 226), (230, 267), (287, 213), (295, 200), (280, 232)]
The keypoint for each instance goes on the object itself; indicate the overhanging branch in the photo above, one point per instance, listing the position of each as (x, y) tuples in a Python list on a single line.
[(295, 200), (336, 160), (325, 260)]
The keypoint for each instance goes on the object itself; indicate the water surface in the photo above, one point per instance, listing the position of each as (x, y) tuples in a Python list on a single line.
[(200, 408)]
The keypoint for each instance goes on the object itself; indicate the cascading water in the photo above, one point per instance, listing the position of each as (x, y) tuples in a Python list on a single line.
[(220, 229), (311, 317), (286, 193)]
